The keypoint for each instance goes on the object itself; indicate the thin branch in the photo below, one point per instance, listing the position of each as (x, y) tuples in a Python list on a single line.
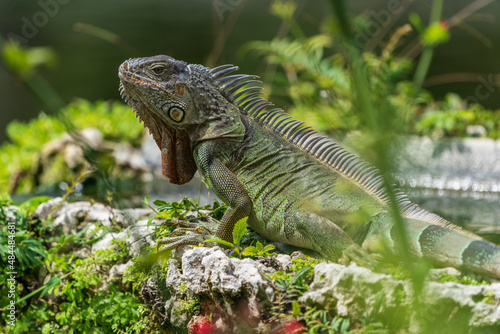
[(223, 33), (375, 40), (455, 77)]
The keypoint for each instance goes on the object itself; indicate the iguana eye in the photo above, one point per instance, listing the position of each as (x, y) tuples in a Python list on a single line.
[(176, 114), (158, 69)]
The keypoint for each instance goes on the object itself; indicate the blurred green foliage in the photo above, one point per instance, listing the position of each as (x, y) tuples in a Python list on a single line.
[(309, 73), (311, 76), (115, 121), (452, 118), (24, 60)]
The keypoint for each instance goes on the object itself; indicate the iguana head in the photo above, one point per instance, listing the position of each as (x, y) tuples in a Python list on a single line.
[(180, 104)]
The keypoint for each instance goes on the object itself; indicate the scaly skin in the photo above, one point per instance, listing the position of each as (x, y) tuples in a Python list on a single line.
[(294, 186)]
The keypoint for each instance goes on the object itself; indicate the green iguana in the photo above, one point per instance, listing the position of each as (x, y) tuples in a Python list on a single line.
[(295, 186)]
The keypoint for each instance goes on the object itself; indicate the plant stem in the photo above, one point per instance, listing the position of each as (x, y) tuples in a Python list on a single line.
[(378, 121), (426, 57)]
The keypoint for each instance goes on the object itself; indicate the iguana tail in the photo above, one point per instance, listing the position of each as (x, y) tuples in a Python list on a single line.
[(444, 244), (453, 246)]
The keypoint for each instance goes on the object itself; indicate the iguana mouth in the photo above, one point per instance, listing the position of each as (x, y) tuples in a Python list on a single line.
[(139, 107)]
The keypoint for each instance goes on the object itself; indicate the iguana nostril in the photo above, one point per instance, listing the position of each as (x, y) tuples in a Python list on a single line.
[(124, 66)]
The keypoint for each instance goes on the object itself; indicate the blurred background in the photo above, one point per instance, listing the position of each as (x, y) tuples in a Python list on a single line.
[(213, 32)]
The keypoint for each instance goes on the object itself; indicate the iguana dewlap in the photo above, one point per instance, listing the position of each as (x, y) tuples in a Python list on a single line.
[(295, 186)]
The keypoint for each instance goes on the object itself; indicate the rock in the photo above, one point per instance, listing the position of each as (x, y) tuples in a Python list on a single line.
[(70, 216), (476, 131), (117, 271), (44, 209), (105, 242), (205, 290), (236, 289), (131, 158), (285, 261), (151, 154), (140, 236), (437, 274), (445, 307)]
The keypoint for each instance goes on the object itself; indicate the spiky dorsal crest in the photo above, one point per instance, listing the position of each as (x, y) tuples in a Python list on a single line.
[(307, 139)]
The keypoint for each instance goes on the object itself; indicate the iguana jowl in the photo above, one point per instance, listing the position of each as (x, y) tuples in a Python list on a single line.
[(295, 186)]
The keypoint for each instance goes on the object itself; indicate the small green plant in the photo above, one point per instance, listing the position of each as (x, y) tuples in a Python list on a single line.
[(319, 321), (258, 250), (188, 305), (240, 237), (180, 210), (20, 249), (239, 233), (489, 298), (452, 118), (188, 209), (289, 286)]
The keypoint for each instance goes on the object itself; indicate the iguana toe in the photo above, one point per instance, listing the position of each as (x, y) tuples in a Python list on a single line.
[(187, 233), (354, 253), (173, 242)]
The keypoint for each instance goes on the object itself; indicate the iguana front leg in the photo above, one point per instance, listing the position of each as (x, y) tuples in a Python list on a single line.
[(227, 187)]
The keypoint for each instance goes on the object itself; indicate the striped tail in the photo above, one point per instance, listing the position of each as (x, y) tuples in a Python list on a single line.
[(450, 245)]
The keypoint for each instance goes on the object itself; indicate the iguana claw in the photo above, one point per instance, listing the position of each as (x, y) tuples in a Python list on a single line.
[(188, 233), (358, 255)]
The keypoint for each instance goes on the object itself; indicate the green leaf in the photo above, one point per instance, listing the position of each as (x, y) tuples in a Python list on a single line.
[(220, 241), (94, 240), (300, 274), (160, 202), (345, 326), (266, 249), (296, 308), (240, 230), (39, 251), (29, 206), (44, 289), (416, 22), (47, 328), (249, 251)]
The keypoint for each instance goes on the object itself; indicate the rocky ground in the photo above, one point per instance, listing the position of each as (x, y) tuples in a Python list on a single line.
[(206, 289)]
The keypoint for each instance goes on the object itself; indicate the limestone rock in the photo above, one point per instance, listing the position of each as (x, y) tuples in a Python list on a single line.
[(140, 235), (234, 290), (444, 307)]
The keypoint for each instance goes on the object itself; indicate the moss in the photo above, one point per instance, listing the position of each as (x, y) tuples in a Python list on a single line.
[(489, 298), (305, 261), (189, 306), (398, 272), (467, 280)]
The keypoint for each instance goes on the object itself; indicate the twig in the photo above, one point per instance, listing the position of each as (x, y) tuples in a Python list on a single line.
[(425, 60)]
